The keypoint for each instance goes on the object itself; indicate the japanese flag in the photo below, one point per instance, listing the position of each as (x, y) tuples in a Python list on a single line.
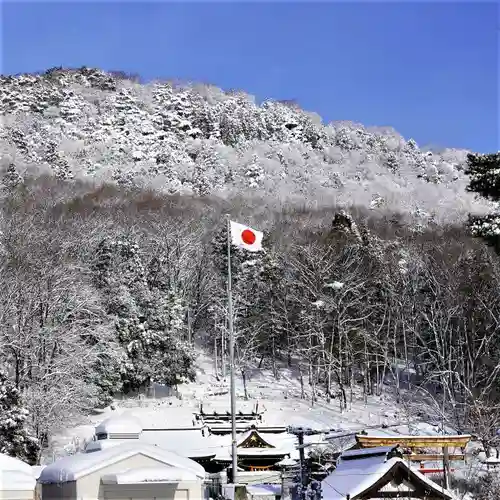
[(246, 237)]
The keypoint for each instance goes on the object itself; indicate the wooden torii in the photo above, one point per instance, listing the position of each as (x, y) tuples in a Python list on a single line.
[(411, 444)]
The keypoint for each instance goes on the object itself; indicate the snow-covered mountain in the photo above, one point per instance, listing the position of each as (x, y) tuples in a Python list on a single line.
[(198, 139)]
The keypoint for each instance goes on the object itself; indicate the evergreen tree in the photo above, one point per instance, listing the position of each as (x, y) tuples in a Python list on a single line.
[(149, 314), (484, 173), (12, 178), (275, 306), (105, 373), (15, 440)]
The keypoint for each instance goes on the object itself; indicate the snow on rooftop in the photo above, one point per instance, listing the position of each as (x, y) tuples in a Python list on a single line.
[(280, 441), (103, 444), (16, 475), (16, 480), (75, 466), (391, 434), (8, 463), (378, 450), (120, 424), (223, 406), (355, 476), (37, 470), (260, 490), (149, 475), (188, 443), (168, 414), (287, 462)]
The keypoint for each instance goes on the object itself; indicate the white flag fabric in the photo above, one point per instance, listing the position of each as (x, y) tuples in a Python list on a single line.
[(246, 237)]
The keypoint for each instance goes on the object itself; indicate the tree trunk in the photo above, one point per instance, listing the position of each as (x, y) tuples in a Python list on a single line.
[(244, 378), (301, 379), (261, 360), (343, 397), (311, 382), (216, 355), (273, 360)]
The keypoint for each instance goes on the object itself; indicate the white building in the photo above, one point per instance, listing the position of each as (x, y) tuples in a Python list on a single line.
[(362, 474), (17, 480), (126, 470)]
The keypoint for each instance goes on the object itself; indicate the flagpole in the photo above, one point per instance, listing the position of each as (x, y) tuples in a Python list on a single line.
[(234, 450)]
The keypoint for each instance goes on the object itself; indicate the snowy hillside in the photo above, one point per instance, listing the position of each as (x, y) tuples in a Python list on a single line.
[(353, 315), (280, 404), (198, 139), (279, 400)]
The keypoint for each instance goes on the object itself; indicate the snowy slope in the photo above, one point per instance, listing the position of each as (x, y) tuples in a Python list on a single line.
[(281, 403), (279, 400), (200, 140)]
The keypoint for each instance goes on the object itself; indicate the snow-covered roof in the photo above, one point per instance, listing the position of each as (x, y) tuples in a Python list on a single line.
[(283, 444), (76, 466), (353, 477), (278, 440), (384, 432), (225, 453), (15, 475), (364, 452), (287, 462), (223, 407), (16, 480), (8, 463), (264, 490), (188, 443), (381, 432), (160, 474), (103, 444), (192, 443), (121, 424), (37, 470), (270, 439)]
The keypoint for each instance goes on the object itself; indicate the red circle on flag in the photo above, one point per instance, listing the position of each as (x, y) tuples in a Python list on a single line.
[(248, 237)]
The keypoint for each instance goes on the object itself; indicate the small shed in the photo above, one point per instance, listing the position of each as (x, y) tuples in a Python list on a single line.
[(17, 480), (127, 470)]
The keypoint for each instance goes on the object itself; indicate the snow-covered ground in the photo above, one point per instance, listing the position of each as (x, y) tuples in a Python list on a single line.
[(279, 400)]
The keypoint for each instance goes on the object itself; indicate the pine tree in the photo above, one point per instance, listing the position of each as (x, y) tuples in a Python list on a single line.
[(12, 178), (149, 314), (484, 173), (274, 307), (15, 440)]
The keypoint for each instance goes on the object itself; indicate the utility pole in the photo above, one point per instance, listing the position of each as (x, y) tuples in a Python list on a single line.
[(446, 468), (234, 449), (282, 470), (300, 432), (303, 474), (445, 448)]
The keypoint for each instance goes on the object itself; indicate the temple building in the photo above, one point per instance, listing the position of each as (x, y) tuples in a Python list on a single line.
[(258, 452), (378, 473)]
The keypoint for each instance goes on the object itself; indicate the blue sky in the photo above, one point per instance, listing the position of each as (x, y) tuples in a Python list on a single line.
[(430, 70)]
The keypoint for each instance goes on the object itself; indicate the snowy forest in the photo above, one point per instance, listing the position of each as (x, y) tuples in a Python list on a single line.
[(379, 258)]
